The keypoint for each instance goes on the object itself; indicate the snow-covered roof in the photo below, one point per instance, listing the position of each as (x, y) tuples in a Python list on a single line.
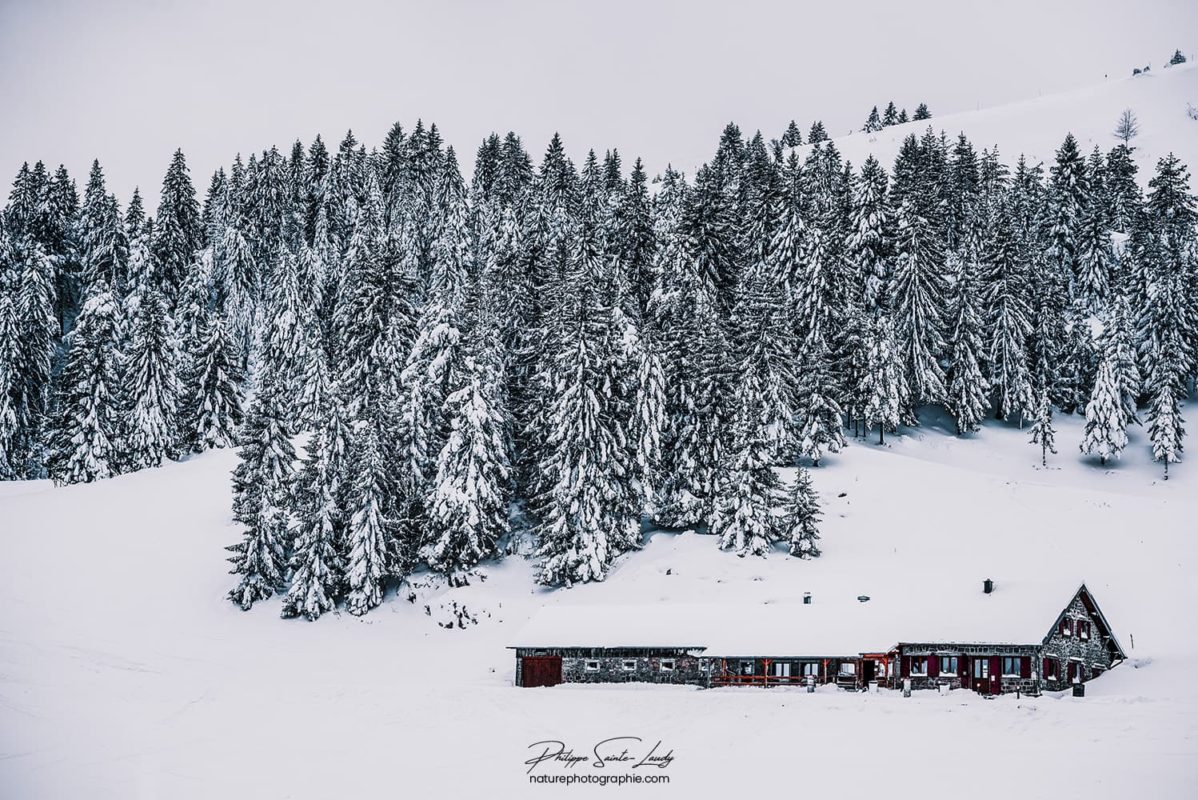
[(1014, 613)]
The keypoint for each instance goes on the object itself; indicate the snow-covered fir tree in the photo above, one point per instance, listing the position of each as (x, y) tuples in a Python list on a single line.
[(468, 504), (368, 531), (919, 295), (151, 388), (801, 515), (744, 519), (884, 386), (87, 424), (1165, 429), (820, 418), (317, 570), (215, 410), (1043, 433), (1106, 418), (869, 240), (967, 390), (262, 497)]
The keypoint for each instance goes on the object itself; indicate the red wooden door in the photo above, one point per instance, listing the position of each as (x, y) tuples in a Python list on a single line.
[(995, 675), (541, 671)]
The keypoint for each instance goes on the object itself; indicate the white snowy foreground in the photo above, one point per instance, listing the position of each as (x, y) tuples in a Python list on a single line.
[(125, 673)]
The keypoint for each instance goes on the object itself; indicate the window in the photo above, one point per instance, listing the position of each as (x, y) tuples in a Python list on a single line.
[(1050, 669), (981, 667), (1011, 666), (629, 664), (848, 668), (746, 668), (811, 668), (1066, 627), (592, 665), (667, 665), (919, 665), (1083, 629), (948, 664), (781, 669)]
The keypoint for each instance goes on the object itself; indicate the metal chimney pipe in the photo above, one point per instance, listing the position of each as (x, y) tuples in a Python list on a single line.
[(987, 586)]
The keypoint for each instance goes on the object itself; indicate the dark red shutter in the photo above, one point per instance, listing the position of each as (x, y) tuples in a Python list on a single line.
[(933, 666), (1025, 667), (1046, 671), (905, 667)]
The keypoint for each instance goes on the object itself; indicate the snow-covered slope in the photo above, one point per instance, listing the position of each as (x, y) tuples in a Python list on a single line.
[(124, 672), (1036, 127)]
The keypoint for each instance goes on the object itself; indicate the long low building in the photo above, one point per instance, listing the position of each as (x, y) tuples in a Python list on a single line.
[(1024, 637)]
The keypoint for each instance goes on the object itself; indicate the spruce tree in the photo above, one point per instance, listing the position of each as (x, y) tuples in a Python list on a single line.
[(1170, 312), (1067, 195), (1043, 433), (800, 517), (648, 425), (151, 387), (1095, 256), (793, 137), (317, 571), (744, 517), (585, 480), (178, 230), (468, 504), (967, 386), (884, 386), (38, 337), (11, 466), (1106, 420), (873, 123), (261, 498), (890, 116), (920, 292), (1165, 429), (368, 531), (87, 423), (820, 418), (215, 412), (868, 244), (1006, 318)]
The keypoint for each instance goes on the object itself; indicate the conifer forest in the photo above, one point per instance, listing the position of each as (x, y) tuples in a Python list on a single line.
[(425, 370)]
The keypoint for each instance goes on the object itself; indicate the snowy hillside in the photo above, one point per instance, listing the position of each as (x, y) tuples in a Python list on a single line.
[(1036, 127), (125, 672)]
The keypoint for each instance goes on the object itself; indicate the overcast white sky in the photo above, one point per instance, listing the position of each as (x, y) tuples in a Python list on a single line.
[(128, 82)]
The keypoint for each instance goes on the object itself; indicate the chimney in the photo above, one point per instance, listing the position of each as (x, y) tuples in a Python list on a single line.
[(806, 598), (988, 586)]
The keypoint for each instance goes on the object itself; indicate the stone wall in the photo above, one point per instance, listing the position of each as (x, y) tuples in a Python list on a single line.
[(965, 653), (1094, 653), (611, 665)]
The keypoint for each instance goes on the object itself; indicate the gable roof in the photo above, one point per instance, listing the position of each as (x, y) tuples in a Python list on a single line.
[(1087, 598), (1015, 613)]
